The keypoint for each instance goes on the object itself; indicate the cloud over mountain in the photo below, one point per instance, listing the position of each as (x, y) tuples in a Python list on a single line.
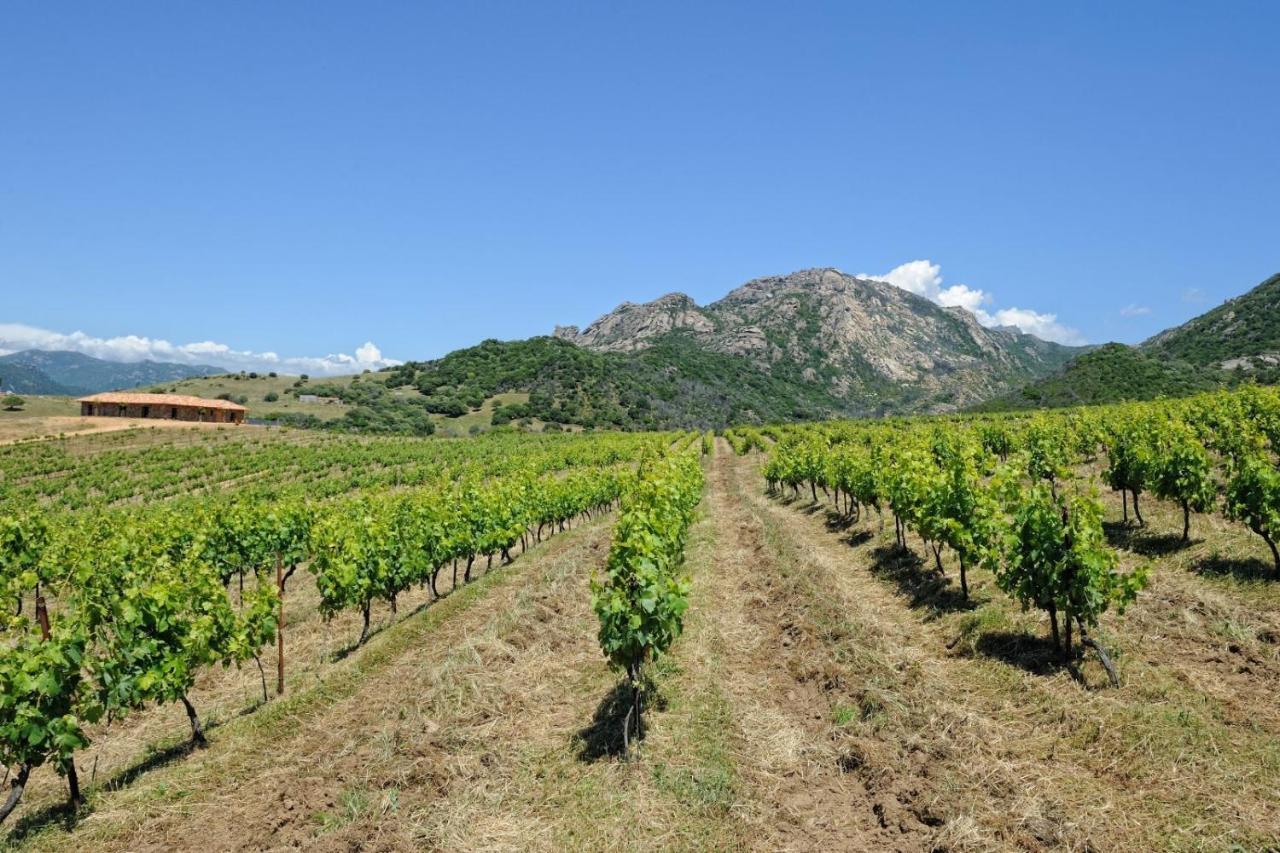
[(924, 278), (130, 348)]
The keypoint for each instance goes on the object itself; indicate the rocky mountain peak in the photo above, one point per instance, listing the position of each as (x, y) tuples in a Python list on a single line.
[(856, 336)]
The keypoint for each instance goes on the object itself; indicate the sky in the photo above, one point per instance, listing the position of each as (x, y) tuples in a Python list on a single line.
[(322, 187)]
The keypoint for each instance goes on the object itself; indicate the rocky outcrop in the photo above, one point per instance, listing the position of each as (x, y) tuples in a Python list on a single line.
[(871, 343), (631, 327)]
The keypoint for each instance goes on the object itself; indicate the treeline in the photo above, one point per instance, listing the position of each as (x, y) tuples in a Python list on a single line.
[(375, 409), (674, 384)]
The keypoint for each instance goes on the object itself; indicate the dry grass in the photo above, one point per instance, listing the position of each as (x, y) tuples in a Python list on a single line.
[(17, 427)]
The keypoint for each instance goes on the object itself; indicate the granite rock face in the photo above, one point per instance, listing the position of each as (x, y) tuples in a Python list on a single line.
[(876, 346)]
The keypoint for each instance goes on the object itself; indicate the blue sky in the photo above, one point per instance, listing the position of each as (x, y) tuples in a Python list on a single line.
[(303, 178)]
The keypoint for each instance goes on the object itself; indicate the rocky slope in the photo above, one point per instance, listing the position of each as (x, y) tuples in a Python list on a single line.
[(875, 347)]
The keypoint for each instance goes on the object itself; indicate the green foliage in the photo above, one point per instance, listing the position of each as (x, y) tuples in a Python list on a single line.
[(674, 384), (641, 599), (1253, 496), (42, 707), (1111, 373), (1130, 459), (12, 402), (1182, 471), (1057, 560), (158, 613)]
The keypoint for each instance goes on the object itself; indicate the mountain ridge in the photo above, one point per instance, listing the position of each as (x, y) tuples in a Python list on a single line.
[(875, 346), (72, 373)]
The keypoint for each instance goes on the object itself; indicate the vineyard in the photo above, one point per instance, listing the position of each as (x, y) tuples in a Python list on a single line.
[(1010, 630)]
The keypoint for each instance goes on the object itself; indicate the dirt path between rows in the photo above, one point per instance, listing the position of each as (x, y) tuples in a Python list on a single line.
[(764, 638)]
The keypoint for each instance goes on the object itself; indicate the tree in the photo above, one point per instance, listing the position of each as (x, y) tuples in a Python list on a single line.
[(41, 704), (162, 615), (966, 516), (353, 558), (12, 402)]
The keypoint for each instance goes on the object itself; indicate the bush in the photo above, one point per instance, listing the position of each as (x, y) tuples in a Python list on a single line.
[(271, 397), (12, 402)]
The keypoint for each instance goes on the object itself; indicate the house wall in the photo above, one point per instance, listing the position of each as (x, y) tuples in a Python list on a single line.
[(162, 412)]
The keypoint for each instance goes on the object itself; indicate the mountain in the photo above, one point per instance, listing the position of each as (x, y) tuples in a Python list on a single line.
[(813, 344), (1240, 334), (73, 373), (1239, 341), (873, 347), (26, 380)]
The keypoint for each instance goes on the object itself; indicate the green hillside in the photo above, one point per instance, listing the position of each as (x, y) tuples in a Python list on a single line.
[(1110, 374), (673, 383), (1237, 342), (1241, 328)]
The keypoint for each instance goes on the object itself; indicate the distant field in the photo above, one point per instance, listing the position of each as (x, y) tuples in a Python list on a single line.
[(256, 389)]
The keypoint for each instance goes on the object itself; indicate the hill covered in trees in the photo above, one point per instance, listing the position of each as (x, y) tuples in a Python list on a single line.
[(673, 383), (1235, 343)]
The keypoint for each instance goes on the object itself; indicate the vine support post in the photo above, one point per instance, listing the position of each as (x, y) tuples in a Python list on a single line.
[(280, 628)]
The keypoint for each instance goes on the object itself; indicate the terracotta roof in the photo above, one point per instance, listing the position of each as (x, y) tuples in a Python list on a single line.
[(136, 399)]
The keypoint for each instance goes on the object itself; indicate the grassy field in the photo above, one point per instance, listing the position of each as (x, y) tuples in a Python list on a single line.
[(829, 692), (257, 388)]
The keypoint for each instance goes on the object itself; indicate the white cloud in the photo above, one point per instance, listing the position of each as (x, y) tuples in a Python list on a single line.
[(1192, 295), (17, 336), (1043, 326), (1134, 311), (924, 278)]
